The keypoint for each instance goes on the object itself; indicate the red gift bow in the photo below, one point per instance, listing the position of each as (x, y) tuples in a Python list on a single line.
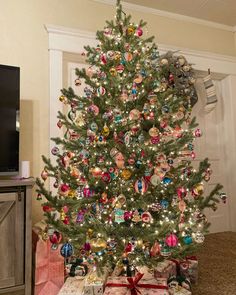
[(133, 285)]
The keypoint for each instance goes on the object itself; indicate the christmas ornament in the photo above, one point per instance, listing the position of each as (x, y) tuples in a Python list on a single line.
[(106, 177), (198, 237), (128, 56), (77, 82), (155, 249), (198, 190), (139, 32), (223, 197), (44, 174), (55, 239), (188, 240), (126, 174), (119, 215), (136, 217), (93, 109), (130, 30), (198, 133), (181, 192), (171, 240), (182, 205), (140, 186), (153, 132), (66, 250), (155, 180), (165, 251), (113, 72), (134, 114), (120, 69), (55, 151), (146, 217), (119, 160), (98, 244), (110, 54)]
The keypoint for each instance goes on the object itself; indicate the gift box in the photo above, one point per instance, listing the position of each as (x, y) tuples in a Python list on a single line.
[(135, 286), (179, 291), (189, 268), (48, 264), (72, 286), (93, 284), (165, 269)]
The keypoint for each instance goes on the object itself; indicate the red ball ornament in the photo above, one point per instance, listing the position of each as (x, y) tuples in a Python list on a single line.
[(106, 177), (139, 32), (181, 192), (47, 208), (64, 188), (171, 240), (103, 59), (128, 248), (198, 132), (55, 238), (66, 220)]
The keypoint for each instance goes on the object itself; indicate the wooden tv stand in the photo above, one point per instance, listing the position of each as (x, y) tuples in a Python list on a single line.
[(15, 236)]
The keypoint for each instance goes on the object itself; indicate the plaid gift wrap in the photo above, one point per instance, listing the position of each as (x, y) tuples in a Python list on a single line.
[(135, 286), (178, 290), (165, 269), (72, 286), (189, 268)]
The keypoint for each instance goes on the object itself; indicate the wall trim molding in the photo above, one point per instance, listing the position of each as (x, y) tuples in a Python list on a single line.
[(73, 40), (144, 9)]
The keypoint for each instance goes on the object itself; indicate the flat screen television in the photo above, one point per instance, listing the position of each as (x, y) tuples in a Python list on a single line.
[(9, 119)]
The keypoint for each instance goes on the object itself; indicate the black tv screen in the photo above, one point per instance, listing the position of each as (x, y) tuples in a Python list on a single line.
[(9, 119)]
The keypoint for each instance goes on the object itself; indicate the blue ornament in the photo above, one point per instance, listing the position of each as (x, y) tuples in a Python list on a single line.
[(190, 146), (167, 180), (138, 164), (188, 240), (164, 204), (134, 91), (66, 250), (165, 109)]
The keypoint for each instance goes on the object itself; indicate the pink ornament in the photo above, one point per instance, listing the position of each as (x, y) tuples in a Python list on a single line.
[(44, 174), (86, 192), (128, 215), (65, 209), (101, 90), (171, 240), (198, 132), (139, 32), (120, 69)]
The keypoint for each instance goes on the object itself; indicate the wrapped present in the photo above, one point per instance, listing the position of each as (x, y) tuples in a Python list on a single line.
[(135, 286), (189, 268), (93, 284), (178, 290), (72, 286), (48, 264), (165, 269)]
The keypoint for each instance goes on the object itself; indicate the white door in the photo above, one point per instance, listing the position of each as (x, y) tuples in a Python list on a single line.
[(211, 145)]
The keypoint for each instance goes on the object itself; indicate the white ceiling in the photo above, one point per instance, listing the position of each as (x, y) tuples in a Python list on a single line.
[(219, 11)]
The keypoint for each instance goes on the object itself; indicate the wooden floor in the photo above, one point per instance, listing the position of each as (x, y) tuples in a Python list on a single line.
[(217, 265)]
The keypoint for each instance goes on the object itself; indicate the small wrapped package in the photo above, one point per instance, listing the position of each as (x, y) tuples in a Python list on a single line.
[(72, 286), (135, 286), (178, 290), (189, 269), (93, 284), (165, 269)]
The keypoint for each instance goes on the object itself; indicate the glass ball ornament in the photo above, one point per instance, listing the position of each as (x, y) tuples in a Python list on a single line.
[(165, 251), (140, 186), (66, 250), (188, 240), (198, 237), (171, 240), (98, 244)]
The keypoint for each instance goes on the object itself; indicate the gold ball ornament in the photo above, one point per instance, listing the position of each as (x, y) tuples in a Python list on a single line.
[(130, 30), (198, 189), (153, 132), (105, 131), (63, 99), (117, 56), (126, 174), (181, 60), (113, 72), (98, 244), (164, 61)]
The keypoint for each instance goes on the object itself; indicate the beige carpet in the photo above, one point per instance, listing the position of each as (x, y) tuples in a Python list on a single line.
[(217, 265)]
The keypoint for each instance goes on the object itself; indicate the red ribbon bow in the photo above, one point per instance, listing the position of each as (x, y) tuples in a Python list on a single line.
[(133, 285)]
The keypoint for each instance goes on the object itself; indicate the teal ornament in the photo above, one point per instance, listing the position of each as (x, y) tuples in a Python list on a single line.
[(94, 127), (164, 204), (190, 146), (119, 215), (138, 164), (165, 251), (134, 91), (167, 180), (188, 240), (118, 118), (66, 250)]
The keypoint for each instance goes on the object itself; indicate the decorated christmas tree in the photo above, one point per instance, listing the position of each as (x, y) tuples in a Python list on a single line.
[(125, 190)]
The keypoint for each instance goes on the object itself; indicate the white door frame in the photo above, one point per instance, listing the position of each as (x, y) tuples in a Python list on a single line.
[(62, 39)]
